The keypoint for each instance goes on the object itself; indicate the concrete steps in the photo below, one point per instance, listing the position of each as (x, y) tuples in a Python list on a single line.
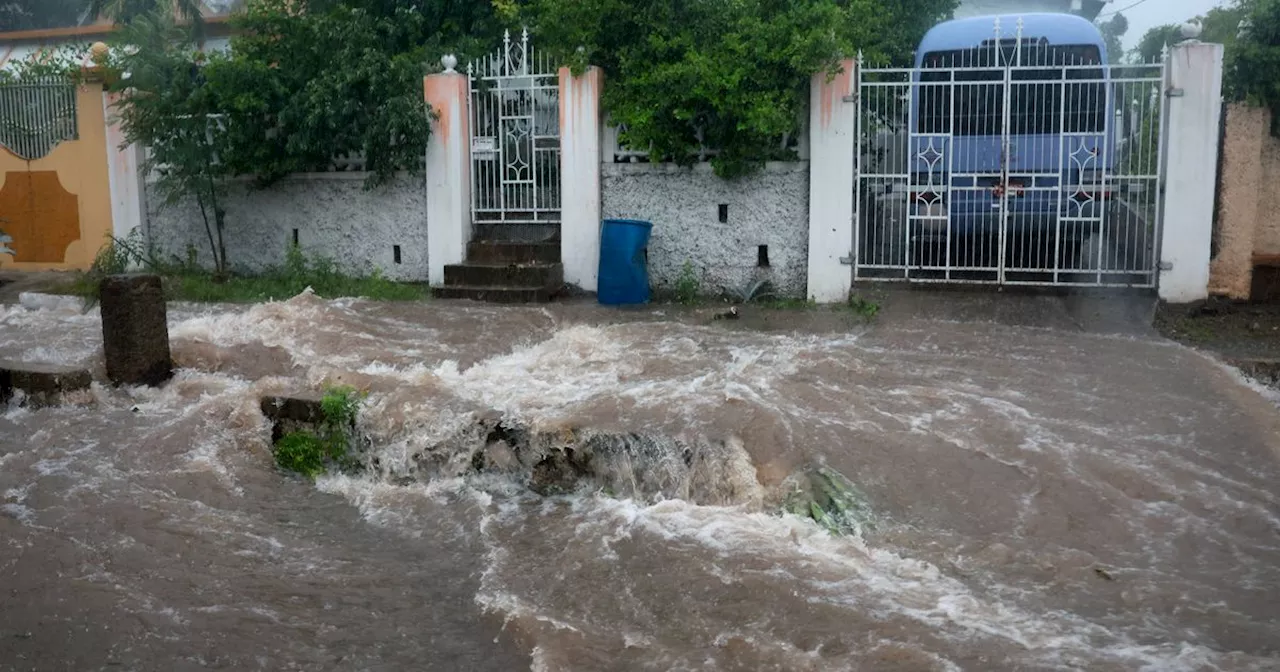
[(505, 271)]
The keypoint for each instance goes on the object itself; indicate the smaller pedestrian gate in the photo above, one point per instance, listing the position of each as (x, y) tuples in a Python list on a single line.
[(515, 141), (1017, 162)]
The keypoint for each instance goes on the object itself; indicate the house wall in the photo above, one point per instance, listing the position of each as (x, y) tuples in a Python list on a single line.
[(334, 214), (58, 206), (1267, 237), (1248, 217), (770, 208)]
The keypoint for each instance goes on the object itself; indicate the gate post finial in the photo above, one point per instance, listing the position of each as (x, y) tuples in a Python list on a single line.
[(997, 28), (449, 61)]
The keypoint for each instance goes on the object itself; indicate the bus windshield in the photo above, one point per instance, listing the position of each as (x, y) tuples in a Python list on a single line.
[(962, 91)]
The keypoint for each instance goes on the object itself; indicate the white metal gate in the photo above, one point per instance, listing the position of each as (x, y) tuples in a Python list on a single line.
[(1016, 162), (515, 136)]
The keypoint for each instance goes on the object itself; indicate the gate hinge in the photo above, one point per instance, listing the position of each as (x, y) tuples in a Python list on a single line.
[(1166, 265), (851, 98), (1174, 93), (847, 261)]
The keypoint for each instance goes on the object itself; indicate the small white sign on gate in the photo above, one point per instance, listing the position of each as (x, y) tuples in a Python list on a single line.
[(484, 147)]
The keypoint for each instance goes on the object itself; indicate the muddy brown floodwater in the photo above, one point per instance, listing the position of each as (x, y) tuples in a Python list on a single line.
[(1043, 497)]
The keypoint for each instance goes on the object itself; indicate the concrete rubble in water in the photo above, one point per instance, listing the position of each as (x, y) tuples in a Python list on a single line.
[(643, 466)]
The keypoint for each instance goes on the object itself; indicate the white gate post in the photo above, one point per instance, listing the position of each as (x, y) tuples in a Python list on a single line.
[(832, 142), (448, 170), (1194, 75), (580, 176), (124, 173)]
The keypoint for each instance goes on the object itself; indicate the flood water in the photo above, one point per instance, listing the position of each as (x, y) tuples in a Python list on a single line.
[(1042, 499)]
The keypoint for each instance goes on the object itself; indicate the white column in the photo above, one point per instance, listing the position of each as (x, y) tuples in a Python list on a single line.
[(580, 127), (448, 173), (832, 138), (124, 174), (1194, 74)]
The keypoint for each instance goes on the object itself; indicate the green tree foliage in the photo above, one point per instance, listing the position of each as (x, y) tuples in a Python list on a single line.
[(1220, 25), (170, 108), (1253, 60), (311, 80), (37, 14), (729, 74), (1250, 30), (1154, 42), (1113, 32)]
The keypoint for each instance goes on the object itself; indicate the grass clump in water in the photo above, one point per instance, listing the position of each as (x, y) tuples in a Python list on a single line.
[(867, 309), (832, 501), (311, 454), (185, 280), (688, 288)]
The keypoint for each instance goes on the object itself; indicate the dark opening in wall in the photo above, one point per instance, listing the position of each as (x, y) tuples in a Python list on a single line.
[(724, 213), (762, 256), (295, 236), (395, 253)]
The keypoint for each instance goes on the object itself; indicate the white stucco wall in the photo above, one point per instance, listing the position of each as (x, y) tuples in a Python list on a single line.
[(334, 214), (769, 208)]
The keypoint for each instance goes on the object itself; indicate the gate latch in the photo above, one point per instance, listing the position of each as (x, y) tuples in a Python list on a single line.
[(1166, 265), (1174, 93), (847, 261)]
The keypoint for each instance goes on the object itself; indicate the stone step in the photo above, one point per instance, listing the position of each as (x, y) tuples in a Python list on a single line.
[(516, 233), (504, 275), (496, 294), (505, 252), (43, 384)]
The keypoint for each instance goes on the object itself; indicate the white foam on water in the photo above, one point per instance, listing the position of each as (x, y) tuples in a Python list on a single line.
[(546, 381), (286, 324), (14, 505), (841, 571), (1267, 392), (54, 303)]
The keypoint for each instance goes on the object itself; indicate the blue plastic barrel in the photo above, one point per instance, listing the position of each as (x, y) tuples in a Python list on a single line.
[(624, 268)]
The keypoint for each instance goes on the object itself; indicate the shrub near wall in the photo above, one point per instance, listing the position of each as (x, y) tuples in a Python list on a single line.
[(769, 208), (335, 216)]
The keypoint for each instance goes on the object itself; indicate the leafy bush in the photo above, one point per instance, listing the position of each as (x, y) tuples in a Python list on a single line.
[(311, 80), (863, 307), (688, 287)]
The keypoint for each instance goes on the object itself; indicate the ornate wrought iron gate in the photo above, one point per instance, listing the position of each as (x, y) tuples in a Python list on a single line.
[(515, 136), (1017, 162), (37, 115)]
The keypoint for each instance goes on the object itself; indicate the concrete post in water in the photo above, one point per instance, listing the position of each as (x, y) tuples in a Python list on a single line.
[(135, 334)]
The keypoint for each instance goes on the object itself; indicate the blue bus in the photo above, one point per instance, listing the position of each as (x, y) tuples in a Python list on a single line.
[(1009, 128)]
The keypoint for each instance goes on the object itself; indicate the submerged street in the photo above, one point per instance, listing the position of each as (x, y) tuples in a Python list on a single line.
[(1050, 486)]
